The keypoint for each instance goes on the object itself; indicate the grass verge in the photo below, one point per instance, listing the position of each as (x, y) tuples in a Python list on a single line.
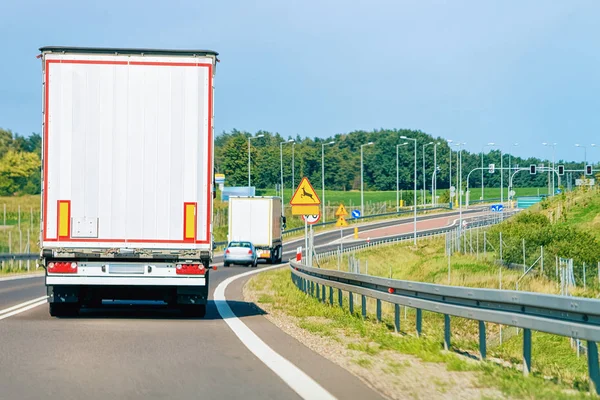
[(373, 344)]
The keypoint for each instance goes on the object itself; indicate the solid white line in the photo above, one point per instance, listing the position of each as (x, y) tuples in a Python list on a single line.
[(20, 310), (294, 377), (13, 278), (22, 305)]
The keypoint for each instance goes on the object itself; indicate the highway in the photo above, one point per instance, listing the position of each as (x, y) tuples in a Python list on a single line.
[(150, 352)]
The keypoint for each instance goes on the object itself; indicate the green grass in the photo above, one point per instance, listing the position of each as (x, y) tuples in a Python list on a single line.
[(370, 338)]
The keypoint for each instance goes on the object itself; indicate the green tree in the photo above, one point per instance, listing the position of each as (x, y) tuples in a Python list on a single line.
[(19, 173)]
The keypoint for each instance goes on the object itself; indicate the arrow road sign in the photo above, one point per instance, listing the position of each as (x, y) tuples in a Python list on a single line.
[(355, 213), (496, 207)]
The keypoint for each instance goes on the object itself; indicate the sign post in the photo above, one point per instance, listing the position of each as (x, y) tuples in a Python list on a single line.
[(305, 203)]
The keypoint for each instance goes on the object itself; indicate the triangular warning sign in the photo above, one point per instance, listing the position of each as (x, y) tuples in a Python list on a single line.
[(305, 195), (341, 211), (341, 222)]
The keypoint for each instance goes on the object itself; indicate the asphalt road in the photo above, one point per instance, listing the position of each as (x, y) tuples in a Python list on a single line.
[(150, 352)]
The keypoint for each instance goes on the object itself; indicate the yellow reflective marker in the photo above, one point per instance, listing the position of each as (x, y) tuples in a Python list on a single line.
[(64, 216), (189, 229)]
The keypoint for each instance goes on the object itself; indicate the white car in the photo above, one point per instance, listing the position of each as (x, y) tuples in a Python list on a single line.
[(240, 253)]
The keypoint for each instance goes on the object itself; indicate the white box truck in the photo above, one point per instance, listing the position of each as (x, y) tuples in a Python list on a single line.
[(259, 220), (127, 176)]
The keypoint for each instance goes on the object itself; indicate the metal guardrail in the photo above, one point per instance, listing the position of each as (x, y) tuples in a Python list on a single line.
[(560, 315), (19, 257)]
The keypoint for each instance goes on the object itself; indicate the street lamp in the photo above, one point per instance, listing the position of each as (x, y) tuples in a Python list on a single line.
[(398, 178), (362, 211), (460, 185), (424, 188), (249, 138), (553, 145), (584, 154), (414, 192), (281, 160), (510, 172), (450, 168), (489, 144), (293, 165), (509, 156), (434, 183), (323, 176)]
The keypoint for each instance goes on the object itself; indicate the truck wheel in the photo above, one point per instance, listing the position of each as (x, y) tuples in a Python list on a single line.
[(194, 310), (64, 309), (226, 264), (279, 254)]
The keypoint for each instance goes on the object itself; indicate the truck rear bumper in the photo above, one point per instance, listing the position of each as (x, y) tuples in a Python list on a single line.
[(124, 280)]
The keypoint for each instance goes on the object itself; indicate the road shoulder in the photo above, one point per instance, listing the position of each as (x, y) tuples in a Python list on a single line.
[(338, 381)]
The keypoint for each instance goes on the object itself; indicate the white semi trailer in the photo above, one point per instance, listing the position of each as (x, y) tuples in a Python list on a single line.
[(258, 219), (127, 176)]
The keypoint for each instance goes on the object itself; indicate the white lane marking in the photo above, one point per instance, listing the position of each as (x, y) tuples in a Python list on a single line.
[(13, 278), (293, 376), (23, 309), (22, 305)]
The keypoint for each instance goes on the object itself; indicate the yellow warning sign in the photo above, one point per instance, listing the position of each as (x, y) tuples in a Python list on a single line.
[(341, 211), (341, 222), (305, 210), (305, 195)]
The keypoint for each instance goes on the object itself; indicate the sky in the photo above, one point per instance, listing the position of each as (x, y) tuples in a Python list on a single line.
[(511, 71)]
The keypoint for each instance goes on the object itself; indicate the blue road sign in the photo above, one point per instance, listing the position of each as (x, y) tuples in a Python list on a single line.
[(496, 207), (355, 214)]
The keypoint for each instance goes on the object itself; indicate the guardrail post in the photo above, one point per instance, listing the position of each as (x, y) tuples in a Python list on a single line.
[(351, 302), (364, 306), (419, 321), (323, 293), (378, 310), (594, 373), (446, 332), (330, 295), (482, 338), (526, 351), (397, 317), (312, 288), (340, 298)]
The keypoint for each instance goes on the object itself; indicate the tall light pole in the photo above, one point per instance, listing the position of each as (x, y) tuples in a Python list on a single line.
[(553, 145), (584, 155), (414, 192), (362, 210), (483, 147), (434, 183), (509, 156), (398, 178), (249, 138), (323, 176), (510, 170), (424, 184), (293, 166), (450, 168), (460, 185), (281, 160)]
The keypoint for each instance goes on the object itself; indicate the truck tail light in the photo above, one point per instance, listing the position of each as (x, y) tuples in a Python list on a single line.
[(227, 251), (62, 267), (190, 269), (250, 252)]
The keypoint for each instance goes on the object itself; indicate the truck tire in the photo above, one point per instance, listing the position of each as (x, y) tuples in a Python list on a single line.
[(279, 254), (194, 310), (63, 309)]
